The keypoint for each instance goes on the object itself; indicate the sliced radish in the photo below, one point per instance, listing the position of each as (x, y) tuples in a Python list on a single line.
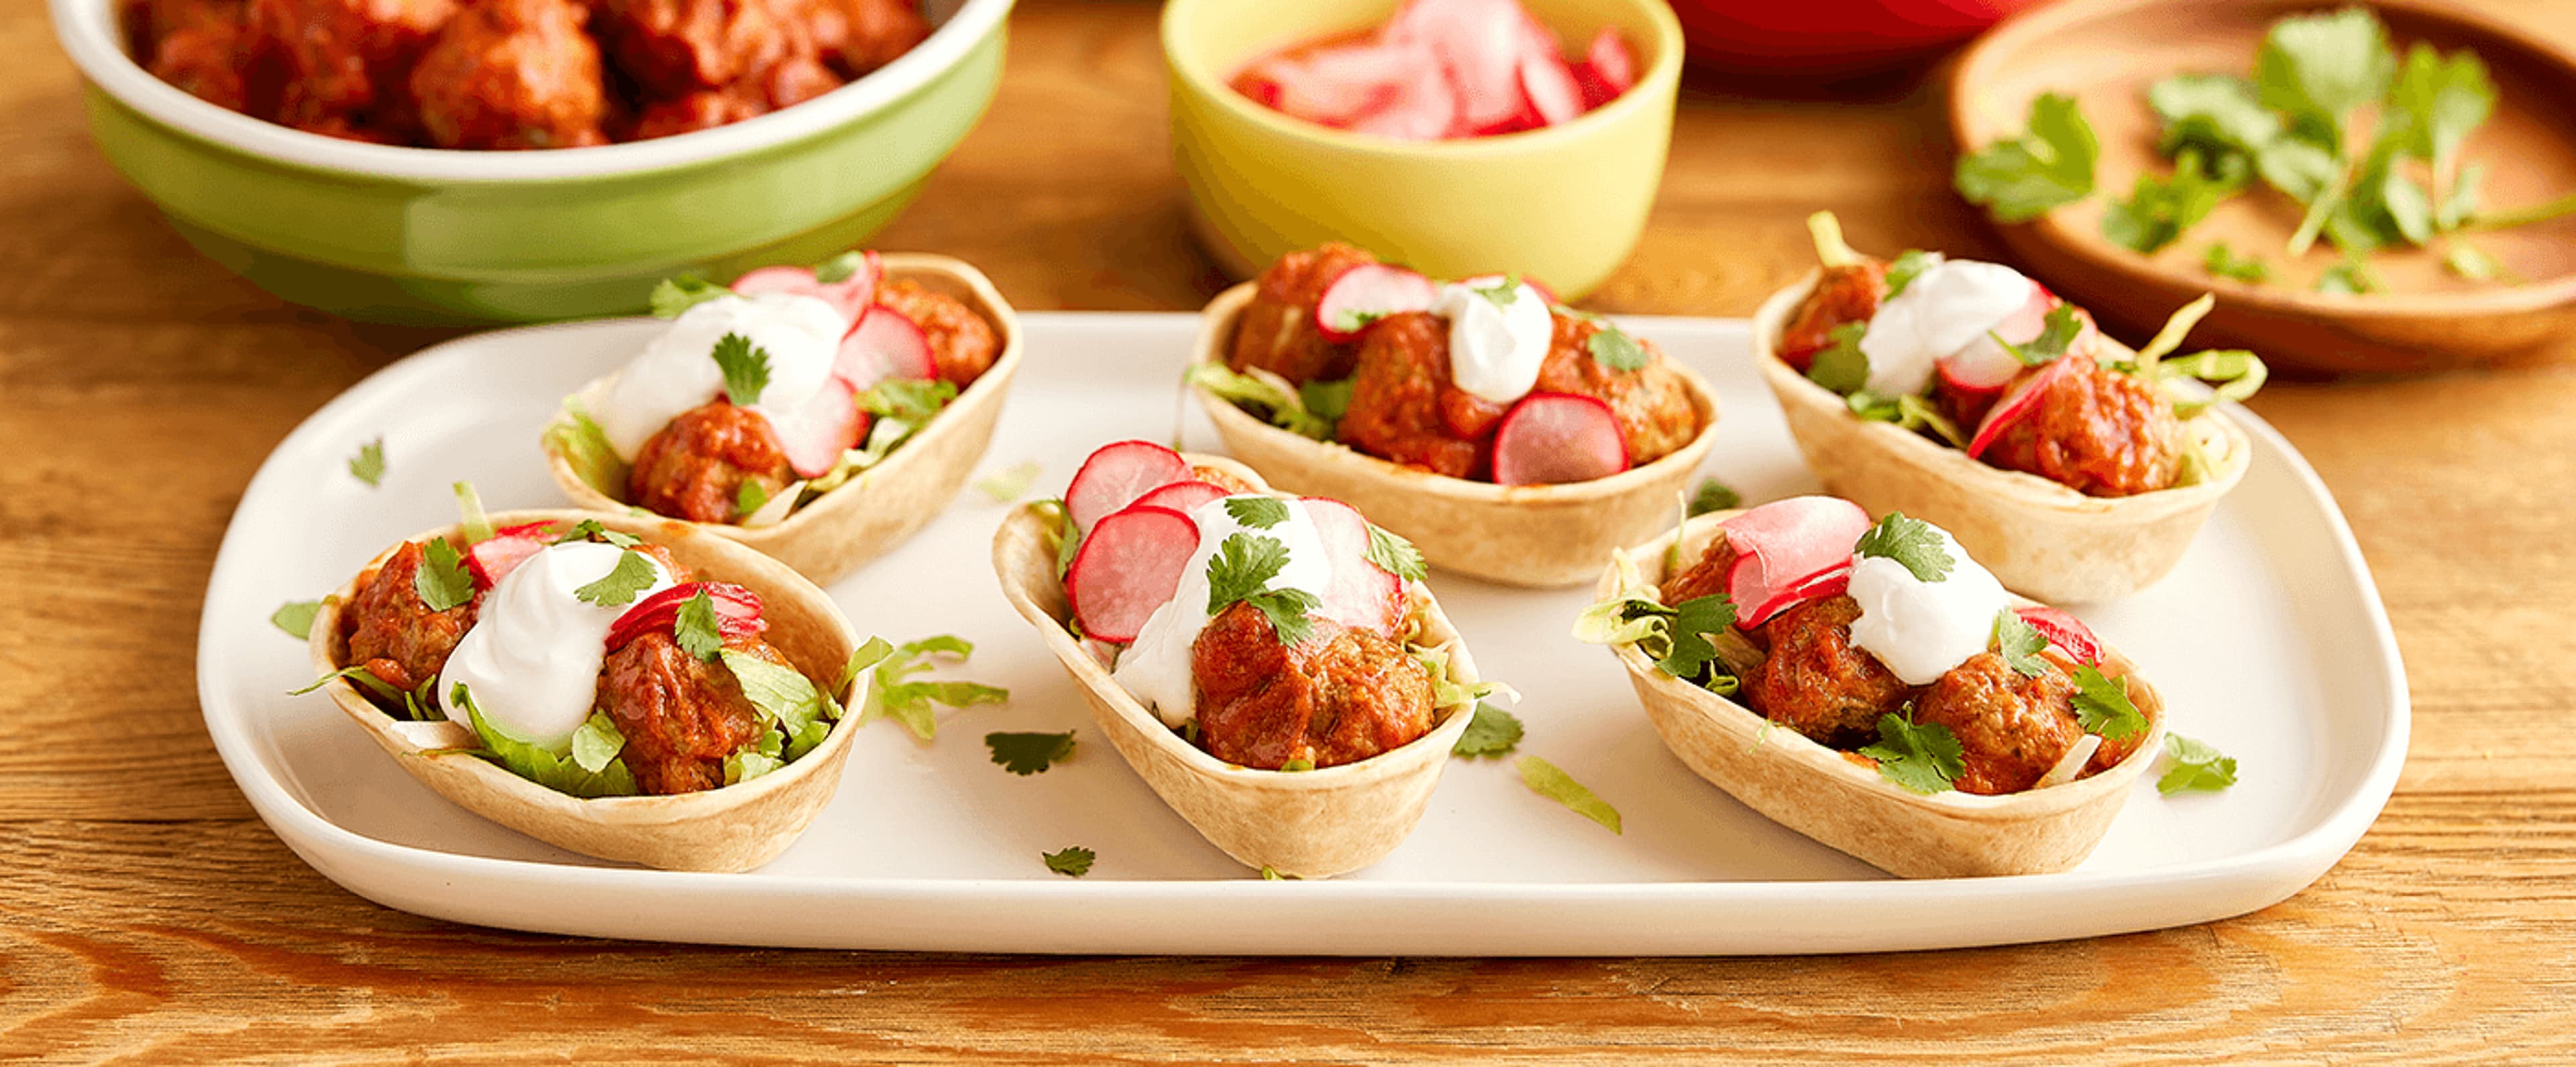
[(543, 529), (1423, 107), (1336, 86), (2019, 400), (1479, 44), (816, 432), (781, 279), (1120, 474), (854, 294), (499, 554), (737, 612), (1610, 60), (1363, 596), (1787, 548), (1985, 366), (1832, 582), (1183, 497), (1129, 565), (885, 344), (1546, 83), (1367, 293), (2065, 631), (1554, 438)]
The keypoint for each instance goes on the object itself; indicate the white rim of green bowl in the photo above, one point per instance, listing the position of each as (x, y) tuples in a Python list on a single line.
[(88, 31)]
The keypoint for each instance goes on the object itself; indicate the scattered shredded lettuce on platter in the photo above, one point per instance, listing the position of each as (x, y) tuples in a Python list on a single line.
[(912, 703), (1010, 483), (1547, 780), (296, 618)]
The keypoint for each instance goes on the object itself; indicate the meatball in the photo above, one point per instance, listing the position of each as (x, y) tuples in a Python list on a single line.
[(1842, 294), (1704, 577), (1815, 681), (392, 632), (2011, 727), (1652, 403), (2094, 430), (961, 342), (1404, 406), (1338, 697), (691, 112), (1276, 331), (347, 57), (203, 47), (792, 81), (681, 715), (512, 74), (694, 468), (672, 48), (858, 36)]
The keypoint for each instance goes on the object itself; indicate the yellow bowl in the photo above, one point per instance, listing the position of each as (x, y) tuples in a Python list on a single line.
[(1563, 205)]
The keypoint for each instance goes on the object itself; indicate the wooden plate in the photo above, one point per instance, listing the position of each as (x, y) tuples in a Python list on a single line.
[(2106, 53)]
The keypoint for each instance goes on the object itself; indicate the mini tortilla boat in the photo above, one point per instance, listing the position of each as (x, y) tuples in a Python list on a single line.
[(2041, 539), (1305, 824), (1538, 536), (880, 507), (1840, 798), (734, 828)]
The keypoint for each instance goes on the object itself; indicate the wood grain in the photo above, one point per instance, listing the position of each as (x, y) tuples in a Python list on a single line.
[(145, 915)]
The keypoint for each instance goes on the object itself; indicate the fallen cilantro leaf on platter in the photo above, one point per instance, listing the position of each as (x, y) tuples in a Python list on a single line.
[(1714, 495), (296, 618), (2195, 767), (1028, 753), (1072, 862), (369, 464)]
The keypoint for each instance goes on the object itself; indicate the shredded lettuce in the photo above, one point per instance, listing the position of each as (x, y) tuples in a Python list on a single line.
[(561, 773), (1274, 400), (580, 441)]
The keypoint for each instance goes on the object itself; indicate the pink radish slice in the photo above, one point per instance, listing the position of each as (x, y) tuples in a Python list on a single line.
[(1362, 596), (1478, 42), (542, 529), (1786, 544), (1555, 438), (1336, 86), (1120, 474), (1545, 80), (885, 344), (1985, 366), (1129, 565), (2018, 402), (1610, 60), (499, 554), (816, 432), (1183, 497), (853, 295), (1367, 293), (2065, 631), (781, 279), (1832, 582), (1422, 107)]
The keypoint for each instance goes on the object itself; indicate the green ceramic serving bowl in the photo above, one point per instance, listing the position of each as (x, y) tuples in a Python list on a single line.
[(1563, 205), (439, 236)]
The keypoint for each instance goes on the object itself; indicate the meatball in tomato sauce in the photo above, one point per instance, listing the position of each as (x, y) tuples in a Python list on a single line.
[(1651, 403), (695, 467), (1848, 293), (2094, 430), (1276, 331), (962, 344), (393, 633), (512, 74), (1404, 406), (681, 715), (1340, 696), (1815, 681)]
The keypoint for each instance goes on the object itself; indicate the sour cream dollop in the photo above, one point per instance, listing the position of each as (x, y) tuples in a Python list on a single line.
[(1495, 347), (532, 659), (677, 372), (1919, 629), (1944, 309), (1155, 668)]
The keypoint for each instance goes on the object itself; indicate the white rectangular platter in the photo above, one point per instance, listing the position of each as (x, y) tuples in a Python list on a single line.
[(2269, 641)]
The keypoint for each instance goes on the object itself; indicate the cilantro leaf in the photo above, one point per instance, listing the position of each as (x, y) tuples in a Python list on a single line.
[(694, 627), (1713, 495), (1912, 543), (442, 580), (1073, 862), (2219, 260), (591, 530), (1395, 555), (2194, 766), (1288, 611), (369, 464), (595, 742), (296, 618), (892, 695), (1547, 780), (746, 368), (2350, 277), (2102, 706), (563, 774), (1027, 754), (1243, 564), (750, 497), (2020, 178), (1692, 623), (676, 295), (1502, 292), (1907, 266), (2057, 332), (2221, 115), (839, 268), (1492, 732), (1258, 512), (1841, 366), (2471, 262), (2020, 644), (1009, 483), (2319, 68), (1925, 759), (623, 582), (2159, 210), (1611, 347)]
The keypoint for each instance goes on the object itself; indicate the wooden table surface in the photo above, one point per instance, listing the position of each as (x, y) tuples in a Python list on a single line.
[(145, 912)]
